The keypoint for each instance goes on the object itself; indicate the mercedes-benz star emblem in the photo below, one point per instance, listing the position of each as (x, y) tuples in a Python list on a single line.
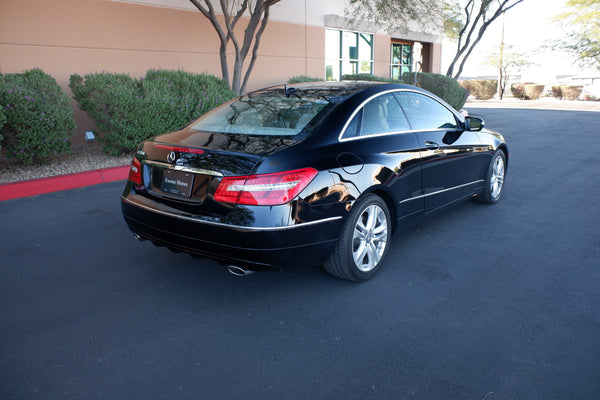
[(171, 157)]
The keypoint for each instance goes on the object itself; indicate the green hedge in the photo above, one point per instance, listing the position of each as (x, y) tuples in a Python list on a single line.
[(518, 90), (533, 91), (557, 92), (570, 92), (526, 90), (367, 77), (481, 89), (128, 110), (38, 118), (303, 79), (2, 122), (442, 86)]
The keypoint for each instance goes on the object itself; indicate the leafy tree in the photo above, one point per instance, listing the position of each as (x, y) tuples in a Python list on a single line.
[(476, 16), (396, 15), (581, 21), (452, 19), (233, 11), (464, 21), (506, 61)]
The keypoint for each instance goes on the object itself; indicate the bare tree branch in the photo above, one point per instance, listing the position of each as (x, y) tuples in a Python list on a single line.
[(479, 24), (233, 11)]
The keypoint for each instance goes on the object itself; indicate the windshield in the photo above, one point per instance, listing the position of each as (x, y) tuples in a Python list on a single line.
[(272, 112)]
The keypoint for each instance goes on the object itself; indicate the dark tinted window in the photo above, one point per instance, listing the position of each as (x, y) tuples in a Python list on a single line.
[(265, 113), (352, 128), (382, 115), (423, 112)]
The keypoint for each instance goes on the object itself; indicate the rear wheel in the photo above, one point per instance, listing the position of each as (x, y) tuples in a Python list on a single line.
[(363, 242), (494, 181)]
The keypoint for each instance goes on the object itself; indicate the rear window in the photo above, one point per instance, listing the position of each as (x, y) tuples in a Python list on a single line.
[(274, 112)]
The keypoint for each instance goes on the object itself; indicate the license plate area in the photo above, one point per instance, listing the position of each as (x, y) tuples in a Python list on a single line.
[(175, 183)]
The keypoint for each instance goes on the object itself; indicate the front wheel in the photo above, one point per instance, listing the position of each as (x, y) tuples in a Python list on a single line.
[(363, 242), (494, 181)]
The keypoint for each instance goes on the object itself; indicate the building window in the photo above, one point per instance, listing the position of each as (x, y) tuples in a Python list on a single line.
[(401, 59), (347, 52)]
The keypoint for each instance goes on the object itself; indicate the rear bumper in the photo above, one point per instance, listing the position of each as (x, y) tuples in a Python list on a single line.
[(256, 247)]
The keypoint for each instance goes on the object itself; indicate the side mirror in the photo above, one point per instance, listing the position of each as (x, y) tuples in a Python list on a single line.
[(474, 123)]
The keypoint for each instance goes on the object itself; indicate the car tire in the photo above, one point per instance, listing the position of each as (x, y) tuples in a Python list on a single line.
[(494, 180), (363, 242)]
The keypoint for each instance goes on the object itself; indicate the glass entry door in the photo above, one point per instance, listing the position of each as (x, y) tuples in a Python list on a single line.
[(401, 59)]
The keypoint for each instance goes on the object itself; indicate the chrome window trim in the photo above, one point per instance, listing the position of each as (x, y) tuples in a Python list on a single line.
[(182, 168), (393, 133), (442, 191), (223, 225), (341, 138)]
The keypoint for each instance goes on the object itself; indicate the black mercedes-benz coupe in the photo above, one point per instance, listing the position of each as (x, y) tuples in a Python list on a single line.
[(310, 174)]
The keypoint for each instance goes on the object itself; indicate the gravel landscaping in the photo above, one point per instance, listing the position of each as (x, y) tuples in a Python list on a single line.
[(87, 157)]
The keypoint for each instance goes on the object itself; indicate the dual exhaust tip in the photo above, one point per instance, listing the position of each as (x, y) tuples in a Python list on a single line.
[(238, 271), (232, 269)]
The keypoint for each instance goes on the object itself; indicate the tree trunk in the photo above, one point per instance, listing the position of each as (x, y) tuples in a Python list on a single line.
[(257, 38), (259, 14)]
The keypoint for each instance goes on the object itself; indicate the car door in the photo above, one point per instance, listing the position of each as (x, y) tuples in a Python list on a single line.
[(451, 157), (382, 137)]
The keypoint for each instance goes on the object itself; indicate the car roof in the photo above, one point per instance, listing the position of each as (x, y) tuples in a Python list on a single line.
[(333, 91)]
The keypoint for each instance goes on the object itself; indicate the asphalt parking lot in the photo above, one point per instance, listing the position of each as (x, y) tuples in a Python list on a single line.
[(494, 302)]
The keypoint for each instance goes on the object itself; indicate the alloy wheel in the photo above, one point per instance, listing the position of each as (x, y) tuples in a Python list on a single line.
[(369, 238), (497, 178)]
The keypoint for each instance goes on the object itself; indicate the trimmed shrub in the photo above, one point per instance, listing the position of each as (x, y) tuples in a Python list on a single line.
[(366, 77), (2, 122), (533, 91), (38, 116), (571, 92), (303, 79), (442, 86), (481, 89), (557, 92), (127, 110), (518, 90)]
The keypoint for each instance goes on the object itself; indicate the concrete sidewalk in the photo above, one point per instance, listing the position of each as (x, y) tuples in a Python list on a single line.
[(545, 103)]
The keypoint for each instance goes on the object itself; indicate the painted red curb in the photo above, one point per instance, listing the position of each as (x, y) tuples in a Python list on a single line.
[(34, 187)]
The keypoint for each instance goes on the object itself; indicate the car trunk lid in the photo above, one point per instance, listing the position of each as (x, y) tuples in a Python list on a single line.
[(184, 168)]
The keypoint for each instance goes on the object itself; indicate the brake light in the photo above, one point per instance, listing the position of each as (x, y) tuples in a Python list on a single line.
[(135, 172), (265, 189), (178, 149)]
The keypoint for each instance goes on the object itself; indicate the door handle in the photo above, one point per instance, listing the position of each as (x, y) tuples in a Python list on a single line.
[(431, 145)]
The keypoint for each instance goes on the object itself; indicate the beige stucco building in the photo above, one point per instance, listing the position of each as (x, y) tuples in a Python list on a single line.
[(303, 37)]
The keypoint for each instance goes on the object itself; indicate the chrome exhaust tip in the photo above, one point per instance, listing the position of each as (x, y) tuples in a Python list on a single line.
[(238, 271)]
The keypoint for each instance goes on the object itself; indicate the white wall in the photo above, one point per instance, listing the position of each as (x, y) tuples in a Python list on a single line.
[(310, 12)]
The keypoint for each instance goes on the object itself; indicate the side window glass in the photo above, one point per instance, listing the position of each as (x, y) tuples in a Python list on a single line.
[(381, 115), (352, 128), (423, 112)]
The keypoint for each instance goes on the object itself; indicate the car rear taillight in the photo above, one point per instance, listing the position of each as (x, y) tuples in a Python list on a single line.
[(265, 189), (135, 172)]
